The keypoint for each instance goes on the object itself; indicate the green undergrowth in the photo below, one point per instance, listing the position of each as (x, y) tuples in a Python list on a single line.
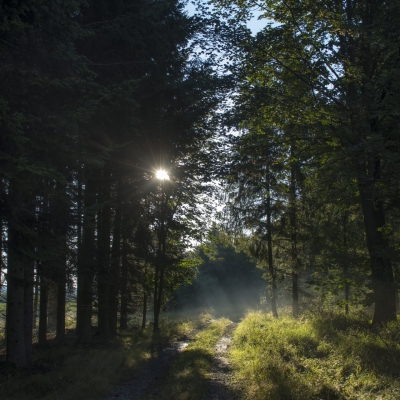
[(89, 372), (186, 379), (324, 356)]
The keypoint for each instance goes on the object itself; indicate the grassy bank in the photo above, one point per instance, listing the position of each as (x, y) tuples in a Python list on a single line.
[(186, 379), (70, 372), (326, 356)]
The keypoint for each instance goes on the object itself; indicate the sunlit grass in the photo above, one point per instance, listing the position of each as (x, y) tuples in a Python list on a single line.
[(187, 378), (328, 356), (69, 372)]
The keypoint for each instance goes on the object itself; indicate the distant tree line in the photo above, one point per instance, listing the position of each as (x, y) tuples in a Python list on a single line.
[(95, 97)]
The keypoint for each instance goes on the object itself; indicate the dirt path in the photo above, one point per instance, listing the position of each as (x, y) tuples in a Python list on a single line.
[(220, 385), (145, 381)]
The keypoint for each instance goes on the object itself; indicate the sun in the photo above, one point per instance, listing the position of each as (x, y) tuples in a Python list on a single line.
[(162, 175)]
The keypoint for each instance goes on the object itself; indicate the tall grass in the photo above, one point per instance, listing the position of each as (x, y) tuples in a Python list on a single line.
[(324, 356), (70, 372)]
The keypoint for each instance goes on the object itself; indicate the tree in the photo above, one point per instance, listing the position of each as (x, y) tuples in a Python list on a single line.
[(347, 55)]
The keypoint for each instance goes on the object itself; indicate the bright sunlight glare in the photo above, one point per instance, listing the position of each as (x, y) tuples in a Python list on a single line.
[(162, 175)]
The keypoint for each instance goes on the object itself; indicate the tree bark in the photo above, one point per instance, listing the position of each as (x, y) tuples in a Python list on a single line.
[(36, 300), (144, 313), (269, 246), (378, 248), (123, 320), (293, 235), (160, 264), (28, 310), (52, 305), (19, 280), (61, 301), (103, 271), (115, 262), (346, 264), (43, 310), (86, 265)]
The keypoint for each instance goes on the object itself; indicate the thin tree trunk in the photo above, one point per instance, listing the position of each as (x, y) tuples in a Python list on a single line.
[(61, 301), (104, 258), (346, 265), (52, 305), (123, 321), (160, 263), (86, 265), (79, 202), (36, 299), (61, 207), (269, 245), (115, 262), (28, 310), (144, 313), (293, 235), (43, 310)]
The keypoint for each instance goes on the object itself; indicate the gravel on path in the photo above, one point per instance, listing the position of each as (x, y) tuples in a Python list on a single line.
[(221, 383)]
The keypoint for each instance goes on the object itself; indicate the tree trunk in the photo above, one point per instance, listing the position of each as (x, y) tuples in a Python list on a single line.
[(115, 262), (161, 260), (43, 311), (61, 301), (346, 264), (19, 281), (15, 327), (378, 248), (36, 300), (144, 313), (52, 306), (293, 235), (28, 310), (123, 321), (86, 265), (269, 245), (79, 203), (103, 273)]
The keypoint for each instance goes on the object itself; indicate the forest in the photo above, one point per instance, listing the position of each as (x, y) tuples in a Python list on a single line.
[(175, 185)]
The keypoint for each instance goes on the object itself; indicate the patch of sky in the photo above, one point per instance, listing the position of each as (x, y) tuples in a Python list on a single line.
[(255, 24)]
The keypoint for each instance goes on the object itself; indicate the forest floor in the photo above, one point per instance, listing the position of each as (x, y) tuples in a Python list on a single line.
[(200, 356)]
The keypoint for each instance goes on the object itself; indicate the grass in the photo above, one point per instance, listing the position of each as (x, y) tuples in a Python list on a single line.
[(70, 372), (186, 379), (325, 356)]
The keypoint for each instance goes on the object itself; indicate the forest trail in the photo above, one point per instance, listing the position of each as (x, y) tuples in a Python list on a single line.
[(221, 379), (146, 383)]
